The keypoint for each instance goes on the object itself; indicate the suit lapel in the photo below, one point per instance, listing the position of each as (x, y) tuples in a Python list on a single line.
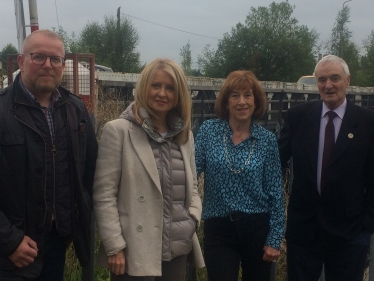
[(346, 133), (311, 132), (140, 142)]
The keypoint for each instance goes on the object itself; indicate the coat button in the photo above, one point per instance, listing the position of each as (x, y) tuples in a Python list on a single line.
[(139, 228), (141, 198)]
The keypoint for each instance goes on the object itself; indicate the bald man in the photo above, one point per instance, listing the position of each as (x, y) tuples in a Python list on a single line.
[(47, 161)]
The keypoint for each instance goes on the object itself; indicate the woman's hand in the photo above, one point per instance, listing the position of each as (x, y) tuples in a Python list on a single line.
[(117, 263), (270, 254)]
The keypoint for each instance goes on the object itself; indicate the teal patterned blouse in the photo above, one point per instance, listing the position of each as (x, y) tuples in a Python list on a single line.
[(245, 177)]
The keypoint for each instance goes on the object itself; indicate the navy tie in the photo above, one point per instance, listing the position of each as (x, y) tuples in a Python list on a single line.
[(328, 146)]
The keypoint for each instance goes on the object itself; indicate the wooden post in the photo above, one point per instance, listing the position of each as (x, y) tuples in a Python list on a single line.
[(1, 75), (371, 265), (190, 273)]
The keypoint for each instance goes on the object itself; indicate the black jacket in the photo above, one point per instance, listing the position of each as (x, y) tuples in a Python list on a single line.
[(347, 203), (23, 154)]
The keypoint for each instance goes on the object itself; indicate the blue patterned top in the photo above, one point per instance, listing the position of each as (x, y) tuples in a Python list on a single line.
[(257, 188)]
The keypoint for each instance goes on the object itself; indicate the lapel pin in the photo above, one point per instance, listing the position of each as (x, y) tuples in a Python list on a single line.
[(350, 135)]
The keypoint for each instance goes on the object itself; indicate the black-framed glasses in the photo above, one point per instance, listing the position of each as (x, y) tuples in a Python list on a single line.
[(39, 59)]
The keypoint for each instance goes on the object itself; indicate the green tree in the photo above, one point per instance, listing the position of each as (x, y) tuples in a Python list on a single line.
[(270, 42), (8, 49), (340, 44), (186, 59), (71, 43), (367, 62), (340, 35), (113, 42), (64, 37)]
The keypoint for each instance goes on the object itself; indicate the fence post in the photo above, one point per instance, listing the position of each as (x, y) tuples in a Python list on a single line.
[(202, 108), (273, 271), (280, 109), (190, 273), (371, 264), (322, 278), (1, 75)]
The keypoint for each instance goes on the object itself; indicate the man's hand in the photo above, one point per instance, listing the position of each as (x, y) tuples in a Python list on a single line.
[(117, 263), (270, 254), (25, 253)]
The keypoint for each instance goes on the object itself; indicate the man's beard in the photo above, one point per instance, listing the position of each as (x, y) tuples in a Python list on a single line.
[(46, 87)]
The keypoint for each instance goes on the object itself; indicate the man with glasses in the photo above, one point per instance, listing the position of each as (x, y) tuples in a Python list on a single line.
[(48, 152)]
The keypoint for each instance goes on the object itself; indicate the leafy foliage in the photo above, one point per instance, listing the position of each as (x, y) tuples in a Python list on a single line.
[(367, 62), (340, 35), (340, 44), (113, 42), (271, 43), (186, 59), (8, 49)]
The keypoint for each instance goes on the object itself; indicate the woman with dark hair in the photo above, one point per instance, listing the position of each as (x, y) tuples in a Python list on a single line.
[(243, 208), (145, 197)]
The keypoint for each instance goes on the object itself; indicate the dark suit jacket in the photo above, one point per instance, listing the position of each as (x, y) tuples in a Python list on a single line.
[(347, 202)]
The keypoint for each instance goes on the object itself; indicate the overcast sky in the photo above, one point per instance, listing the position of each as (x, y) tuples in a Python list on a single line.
[(210, 18)]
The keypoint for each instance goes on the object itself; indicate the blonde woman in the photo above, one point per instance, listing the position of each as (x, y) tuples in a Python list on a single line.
[(145, 193)]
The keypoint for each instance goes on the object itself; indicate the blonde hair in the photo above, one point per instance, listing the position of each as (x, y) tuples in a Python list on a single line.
[(238, 80), (183, 103)]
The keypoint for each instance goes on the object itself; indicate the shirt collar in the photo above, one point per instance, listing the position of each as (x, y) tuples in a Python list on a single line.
[(339, 110)]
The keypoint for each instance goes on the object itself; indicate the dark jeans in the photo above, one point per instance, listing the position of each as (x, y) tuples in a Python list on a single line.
[(53, 260), (228, 243), (344, 260), (173, 270)]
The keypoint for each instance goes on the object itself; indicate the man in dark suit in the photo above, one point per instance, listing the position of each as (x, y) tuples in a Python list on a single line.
[(331, 206)]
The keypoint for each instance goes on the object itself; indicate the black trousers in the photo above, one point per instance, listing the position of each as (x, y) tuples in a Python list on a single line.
[(344, 260), (233, 241)]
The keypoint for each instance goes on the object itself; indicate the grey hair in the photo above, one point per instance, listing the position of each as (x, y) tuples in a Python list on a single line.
[(333, 59)]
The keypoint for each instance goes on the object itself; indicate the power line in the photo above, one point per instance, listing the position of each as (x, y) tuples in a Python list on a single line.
[(171, 27)]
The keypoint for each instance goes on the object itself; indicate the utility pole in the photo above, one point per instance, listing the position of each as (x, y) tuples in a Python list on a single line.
[(118, 18), (341, 31), (20, 23), (34, 22)]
